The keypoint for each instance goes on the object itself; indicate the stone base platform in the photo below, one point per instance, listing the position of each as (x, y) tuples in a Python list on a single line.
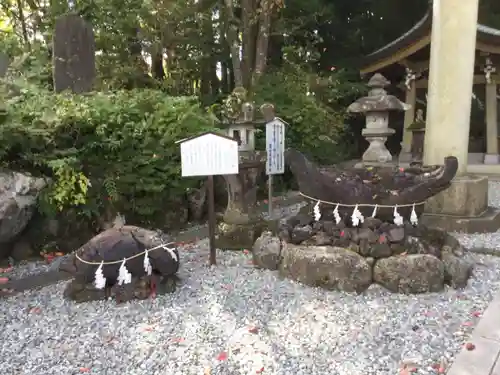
[(241, 236), (467, 196), (488, 221), (463, 207)]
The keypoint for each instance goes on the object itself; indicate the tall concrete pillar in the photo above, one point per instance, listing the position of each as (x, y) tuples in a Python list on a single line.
[(491, 156), (451, 75), (411, 99)]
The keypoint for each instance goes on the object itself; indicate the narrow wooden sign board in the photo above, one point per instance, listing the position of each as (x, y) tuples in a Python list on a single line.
[(209, 154), (275, 147)]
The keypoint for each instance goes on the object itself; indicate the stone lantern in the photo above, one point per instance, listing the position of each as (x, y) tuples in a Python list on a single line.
[(241, 223), (243, 128), (376, 107)]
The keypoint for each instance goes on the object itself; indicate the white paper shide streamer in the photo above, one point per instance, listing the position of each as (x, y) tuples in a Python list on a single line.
[(317, 213), (336, 214), (147, 264), (100, 280), (413, 216), (374, 213), (357, 217), (124, 277), (398, 219), (172, 252)]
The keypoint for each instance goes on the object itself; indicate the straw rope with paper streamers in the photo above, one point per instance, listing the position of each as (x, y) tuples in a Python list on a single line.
[(357, 217), (124, 276)]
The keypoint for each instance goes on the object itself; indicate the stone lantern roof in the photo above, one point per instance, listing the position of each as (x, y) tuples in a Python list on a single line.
[(378, 100)]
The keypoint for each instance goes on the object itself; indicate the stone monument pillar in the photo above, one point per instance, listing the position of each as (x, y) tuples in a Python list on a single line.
[(492, 156), (451, 75), (464, 205), (376, 107), (411, 99)]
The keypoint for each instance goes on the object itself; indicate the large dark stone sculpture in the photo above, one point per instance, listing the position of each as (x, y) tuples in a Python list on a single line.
[(384, 186), (114, 245), (403, 257)]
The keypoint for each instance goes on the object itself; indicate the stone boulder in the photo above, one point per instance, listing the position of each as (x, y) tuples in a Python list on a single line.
[(18, 197), (457, 270), (267, 251), (328, 267), (113, 245), (417, 273)]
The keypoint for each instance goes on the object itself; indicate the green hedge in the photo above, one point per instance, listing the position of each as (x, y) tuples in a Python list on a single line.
[(103, 150)]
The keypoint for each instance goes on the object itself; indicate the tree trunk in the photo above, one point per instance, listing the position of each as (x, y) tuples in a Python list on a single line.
[(262, 40), (157, 65), (234, 45), (249, 34)]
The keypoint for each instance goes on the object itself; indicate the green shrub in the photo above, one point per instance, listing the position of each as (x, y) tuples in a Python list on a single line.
[(314, 127), (103, 150)]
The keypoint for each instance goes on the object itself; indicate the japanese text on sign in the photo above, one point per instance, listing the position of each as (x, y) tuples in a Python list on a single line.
[(275, 147)]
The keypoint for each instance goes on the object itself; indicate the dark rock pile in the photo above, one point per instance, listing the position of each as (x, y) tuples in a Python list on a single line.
[(404, 259), (113, 245)]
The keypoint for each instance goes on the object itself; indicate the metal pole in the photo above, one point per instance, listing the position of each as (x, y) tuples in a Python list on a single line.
[(211, 220), (270, 197)]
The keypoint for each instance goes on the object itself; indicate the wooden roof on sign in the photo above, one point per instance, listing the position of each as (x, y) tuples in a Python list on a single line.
[(203, 134), (419, 37)]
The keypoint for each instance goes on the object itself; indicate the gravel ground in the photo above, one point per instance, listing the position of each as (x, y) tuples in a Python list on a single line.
[(233, 319), (208, 323)]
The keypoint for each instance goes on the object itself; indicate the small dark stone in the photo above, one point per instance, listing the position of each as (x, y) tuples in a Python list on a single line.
[(452, 242), (364, 247), (415, 328), (322, 239), (284, 234), (367, 234), (397, 248), (330, 228), (300, 220), (301, 234), (371, 223), (380, 250), (396, 235), (317, 226)]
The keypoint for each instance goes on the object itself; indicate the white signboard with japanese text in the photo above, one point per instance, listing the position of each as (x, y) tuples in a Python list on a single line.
[(209, 155), (275, 146)]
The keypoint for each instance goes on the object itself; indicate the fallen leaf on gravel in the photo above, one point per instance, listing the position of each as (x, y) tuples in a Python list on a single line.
[(470, 346), (207, 371), (148, 329), (253, 330), (177, 339), (467, 324), (245, 251), (476, 314), (84, 369), (35, 310), (441, 370), (260, 371), (5, 270), (222, 356), (59, 254), (4, 280)]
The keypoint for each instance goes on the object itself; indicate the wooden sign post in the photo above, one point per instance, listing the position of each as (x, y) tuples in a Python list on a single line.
[(275, 147), (209, 154)]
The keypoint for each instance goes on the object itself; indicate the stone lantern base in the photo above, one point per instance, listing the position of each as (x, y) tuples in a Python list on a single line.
[(241, 224)]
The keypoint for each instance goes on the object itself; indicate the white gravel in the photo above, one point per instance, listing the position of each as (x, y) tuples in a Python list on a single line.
[(301, 330), (206, 326)]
